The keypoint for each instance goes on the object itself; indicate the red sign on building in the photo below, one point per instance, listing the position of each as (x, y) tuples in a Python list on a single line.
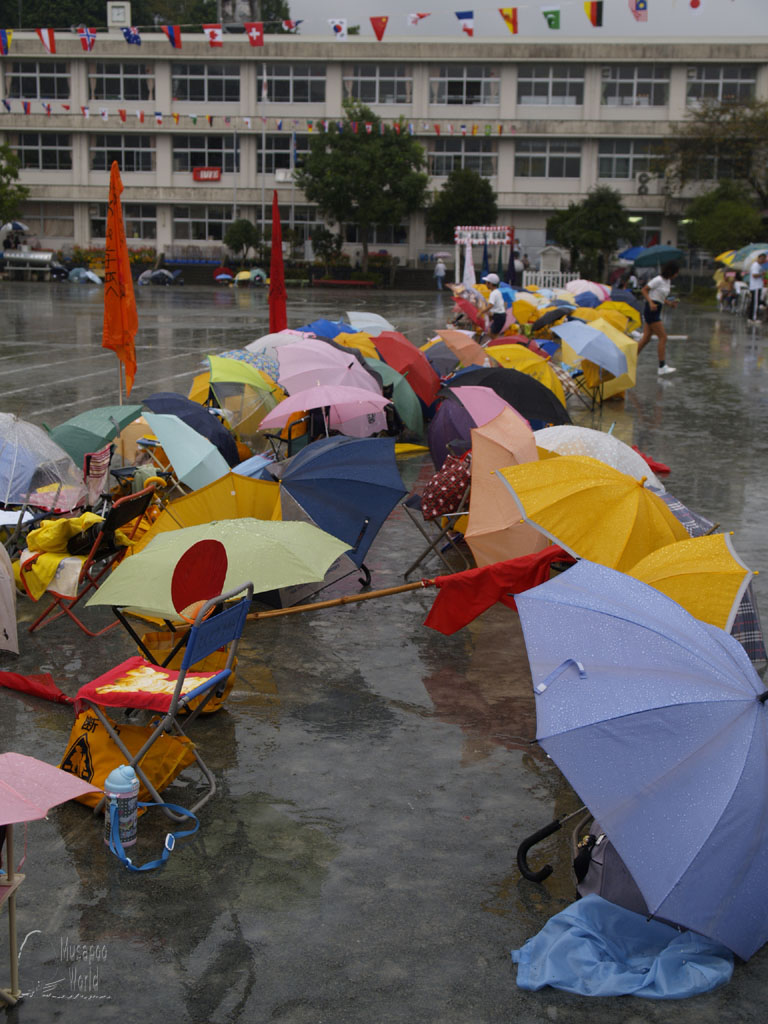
[(206, 173)]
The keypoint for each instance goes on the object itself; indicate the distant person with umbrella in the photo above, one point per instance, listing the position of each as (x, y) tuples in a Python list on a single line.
[(656, 295), (439, 275), (756, 283)]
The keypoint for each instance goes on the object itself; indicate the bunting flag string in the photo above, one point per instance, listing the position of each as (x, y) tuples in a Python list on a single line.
[(509, 14), (6, 35), (173, 35), (87, 37), (47, 38), (132, 36), (594, 11), (379, 26), (254, 30)]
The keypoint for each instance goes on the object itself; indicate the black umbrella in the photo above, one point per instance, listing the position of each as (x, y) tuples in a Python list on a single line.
[(525, 394), (197, 417), (550, 317)]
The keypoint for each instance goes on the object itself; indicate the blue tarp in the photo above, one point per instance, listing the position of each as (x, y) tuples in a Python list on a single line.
[(595, 948)]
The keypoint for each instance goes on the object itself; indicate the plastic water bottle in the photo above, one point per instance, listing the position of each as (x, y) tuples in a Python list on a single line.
[(122, 788)]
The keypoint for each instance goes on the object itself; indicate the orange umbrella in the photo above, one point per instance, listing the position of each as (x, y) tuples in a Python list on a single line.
[(121, 320), (465, 347)]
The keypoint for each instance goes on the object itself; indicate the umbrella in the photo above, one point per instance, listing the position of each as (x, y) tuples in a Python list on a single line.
[(588, 300), (657, 254), (580, 285), (402, 355), (726, 257), (80, 275), (520, 357), (362, 320), (589, 343), (592, 510), (311, 362), (353, 411), (347, 486), (442, 360), (196, 462), (200, 419), (269, 343), (14, 225), (9, 637), (404, 398), (181, 567), (244, 393), (632, 253), (525, 394), (464, 347), (745, 262), (572, 440), (703, 574), (658, 722), (470, 310), (357, 342), (35, 470), (327, 328), (449, 431), (91, 430), (494, 532), (243, 277), (550, 316)]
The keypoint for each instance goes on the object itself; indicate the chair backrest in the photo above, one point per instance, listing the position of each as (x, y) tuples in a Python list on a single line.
[(96, 472), (225, 628), (127, 508)]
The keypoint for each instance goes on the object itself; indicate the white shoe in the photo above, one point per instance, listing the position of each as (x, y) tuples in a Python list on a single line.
[(664, 370)]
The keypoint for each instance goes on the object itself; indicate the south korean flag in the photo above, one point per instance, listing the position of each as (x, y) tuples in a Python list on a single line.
[(338, 27)]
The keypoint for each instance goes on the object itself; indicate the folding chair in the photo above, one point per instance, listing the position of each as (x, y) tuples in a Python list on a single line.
[(294, 436), (100, 552), (96, 474), (439, 533), (137, 684)]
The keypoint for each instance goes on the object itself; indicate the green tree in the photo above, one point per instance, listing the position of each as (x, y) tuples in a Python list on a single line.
[(724, 218), (241, 236), (727, 140), (327, 246), (360, 175), (465, 198), (592, 230), (12, 195)]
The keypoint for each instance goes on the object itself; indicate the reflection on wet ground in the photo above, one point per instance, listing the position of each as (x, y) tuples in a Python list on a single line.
[(358, 862)]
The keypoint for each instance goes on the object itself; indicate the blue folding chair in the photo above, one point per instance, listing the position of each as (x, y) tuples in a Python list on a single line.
[(176, 702)]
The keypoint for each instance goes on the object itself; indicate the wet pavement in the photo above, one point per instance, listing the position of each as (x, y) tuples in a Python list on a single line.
[(358, 862)]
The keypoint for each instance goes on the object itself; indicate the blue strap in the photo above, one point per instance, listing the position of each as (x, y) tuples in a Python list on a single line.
[(116, 846)]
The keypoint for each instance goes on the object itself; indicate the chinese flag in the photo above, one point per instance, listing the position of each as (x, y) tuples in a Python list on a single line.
[(120, 318), (278, 315), (594, 11), (380, 26), (509, 14)]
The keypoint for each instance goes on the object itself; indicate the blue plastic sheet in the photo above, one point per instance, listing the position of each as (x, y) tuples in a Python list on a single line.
[(594, 948)]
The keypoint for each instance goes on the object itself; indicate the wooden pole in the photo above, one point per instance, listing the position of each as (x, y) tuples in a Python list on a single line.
[(335, 602)]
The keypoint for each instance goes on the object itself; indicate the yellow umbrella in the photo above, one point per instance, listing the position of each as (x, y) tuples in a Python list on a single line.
[(520, 358), (585, 313), (231, 497), (524, 311), (614, 318), (361, 341), (629, 347), (703, 574), (726, 257), (495, 533), (592, 510), (629, 313)]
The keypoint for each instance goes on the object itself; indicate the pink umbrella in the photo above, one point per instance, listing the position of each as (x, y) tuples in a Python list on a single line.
[(482, 404), (463, 345), (353, 411), (28, 790), (310, 362), (577, 287)]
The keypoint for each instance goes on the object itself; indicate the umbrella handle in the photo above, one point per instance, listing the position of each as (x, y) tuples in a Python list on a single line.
[(524, 847)]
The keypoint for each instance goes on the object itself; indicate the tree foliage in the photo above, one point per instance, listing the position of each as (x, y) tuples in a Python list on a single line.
[(241, 236), (327, 245), (736, 134), (724, 218), (593, 230), (361, 175), (12, 195), (465, 198)]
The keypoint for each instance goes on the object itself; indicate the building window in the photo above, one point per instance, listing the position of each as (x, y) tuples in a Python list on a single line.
[(469, 154), (551, 84), (464, 84), (542, 158), (626, 158), (721, 83), (635, 85), (717, 168), (277, 152), (650, 228), (206, 83), (49, 220), (37, 80), (305, 220), (132, 152), (378, 83), (201, 223), (294, 83), (121, 82), (140, 220), (191, 151), (43, 150), (378, 234)]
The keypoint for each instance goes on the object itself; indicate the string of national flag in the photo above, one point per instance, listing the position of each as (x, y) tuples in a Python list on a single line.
[(515, 18)]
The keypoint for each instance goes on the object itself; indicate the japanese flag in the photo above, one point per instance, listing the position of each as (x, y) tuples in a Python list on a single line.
[(338, 27)]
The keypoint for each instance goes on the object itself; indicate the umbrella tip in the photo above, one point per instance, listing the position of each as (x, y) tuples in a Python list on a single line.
[(642, 480)]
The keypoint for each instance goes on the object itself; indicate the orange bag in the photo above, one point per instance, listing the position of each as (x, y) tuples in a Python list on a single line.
[(92, 754)]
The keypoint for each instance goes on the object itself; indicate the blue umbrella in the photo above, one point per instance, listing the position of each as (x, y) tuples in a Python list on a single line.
[(348, 486), (587, 299), (593, 345), (632, 253), (197, 417), (328, 328), (659, 723)]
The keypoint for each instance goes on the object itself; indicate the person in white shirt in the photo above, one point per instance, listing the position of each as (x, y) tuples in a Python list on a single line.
[(756, 283), (439, 275), (497, 308), (656, 295)]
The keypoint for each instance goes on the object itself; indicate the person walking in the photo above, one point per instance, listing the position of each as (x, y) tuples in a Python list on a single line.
[(440, 271), (496, 307), (656, 295), (756, 282)]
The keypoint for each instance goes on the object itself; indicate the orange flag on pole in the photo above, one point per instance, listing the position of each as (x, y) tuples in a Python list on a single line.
[(120, 318)]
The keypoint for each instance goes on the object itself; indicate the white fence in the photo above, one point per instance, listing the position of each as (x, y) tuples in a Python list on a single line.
[(548, 278)]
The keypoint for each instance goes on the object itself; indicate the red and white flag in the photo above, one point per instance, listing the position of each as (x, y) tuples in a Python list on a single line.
[(380, 26), (87, 37), (213, 34), (255, 32), (47, 38), (467, 21), (414, 19)]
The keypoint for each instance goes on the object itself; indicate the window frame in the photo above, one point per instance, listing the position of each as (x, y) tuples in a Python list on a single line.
[(312, 73), (39, 147), (218, 216), (721, 81), (56, 70), (651, 75), (550, 151), (218, 82), (117, 146), (354, 76), (268, 157), (141, 213), (463, 152), (551, 85), (449, 84), (201, 151), (123, 74), (638, 162)]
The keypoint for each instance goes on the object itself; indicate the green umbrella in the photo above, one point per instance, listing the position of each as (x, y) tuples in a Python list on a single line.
[(196, 462), (655, 255), (236, 371), (404, 397), (89, 431), (181, 566)]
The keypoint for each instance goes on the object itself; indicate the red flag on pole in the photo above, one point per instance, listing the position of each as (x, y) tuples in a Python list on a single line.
[(120, 318), (278, 315)]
